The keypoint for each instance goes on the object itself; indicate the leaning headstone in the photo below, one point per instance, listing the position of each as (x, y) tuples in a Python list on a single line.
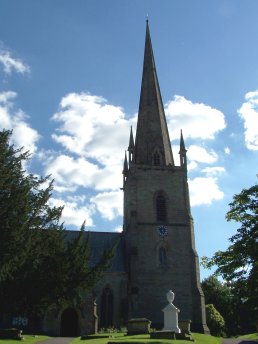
[(171, 315)]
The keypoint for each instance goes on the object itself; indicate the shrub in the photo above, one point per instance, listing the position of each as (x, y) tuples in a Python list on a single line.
[(215, 321)]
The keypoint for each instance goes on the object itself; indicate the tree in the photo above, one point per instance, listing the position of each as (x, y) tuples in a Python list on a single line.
[(215, 321), (40, 267), (238, 265), (221, 296)]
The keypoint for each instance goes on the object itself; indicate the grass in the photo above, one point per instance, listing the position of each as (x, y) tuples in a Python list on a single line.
[(252, 336), (142, 339), (205, 339), (28, 339)]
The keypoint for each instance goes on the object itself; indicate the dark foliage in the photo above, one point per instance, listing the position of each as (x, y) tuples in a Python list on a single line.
[(39, 267), (238, 265)]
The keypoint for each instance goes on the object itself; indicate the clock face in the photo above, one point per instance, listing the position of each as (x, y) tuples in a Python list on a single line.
[(163, 232)]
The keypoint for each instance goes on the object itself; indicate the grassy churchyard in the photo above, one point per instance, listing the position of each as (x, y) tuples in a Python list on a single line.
[(144, 338), (252, 336), (27, 339), (136, 339)]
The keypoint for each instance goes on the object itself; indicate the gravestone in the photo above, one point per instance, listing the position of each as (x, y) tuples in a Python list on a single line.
[(171, 315), (138, 326)]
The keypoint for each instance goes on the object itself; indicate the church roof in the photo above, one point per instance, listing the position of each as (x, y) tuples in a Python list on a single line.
[(152, 132), (101, 241)]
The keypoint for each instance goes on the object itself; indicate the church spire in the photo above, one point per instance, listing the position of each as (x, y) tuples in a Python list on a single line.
[(125, 169), (152, 137), (131, 147), (182, 151)]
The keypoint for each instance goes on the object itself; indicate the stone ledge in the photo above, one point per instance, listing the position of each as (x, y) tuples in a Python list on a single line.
[(170, 335), (163, 335)]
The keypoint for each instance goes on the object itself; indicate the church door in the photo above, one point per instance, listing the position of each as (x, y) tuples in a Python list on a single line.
[(69, 323), (106, 312)]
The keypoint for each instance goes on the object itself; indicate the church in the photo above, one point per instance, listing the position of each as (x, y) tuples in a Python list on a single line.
[(156, 250)]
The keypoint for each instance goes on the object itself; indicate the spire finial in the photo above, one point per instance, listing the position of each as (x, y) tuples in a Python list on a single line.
[(147, 18)]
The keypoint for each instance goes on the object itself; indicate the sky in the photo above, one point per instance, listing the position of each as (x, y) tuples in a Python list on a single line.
[(70, 75)]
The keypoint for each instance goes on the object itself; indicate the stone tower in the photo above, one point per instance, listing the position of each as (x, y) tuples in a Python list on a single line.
[(158, 226)]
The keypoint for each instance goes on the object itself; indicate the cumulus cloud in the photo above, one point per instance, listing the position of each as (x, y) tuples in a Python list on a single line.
[(118, 229), (213, 171), (11, 64), (204, 190), (195, 155), (227, 150), (74, 213), (109, 204), (91, 127), (200, 154), (192, 165), (17, 120), (197, 119), (94, 135), (70, 173), (249, 114)]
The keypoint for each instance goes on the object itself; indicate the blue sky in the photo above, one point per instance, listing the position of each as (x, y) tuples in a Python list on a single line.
[(70, 74)]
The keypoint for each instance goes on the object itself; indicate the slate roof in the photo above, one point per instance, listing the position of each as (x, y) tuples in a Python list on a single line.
[(101, 241)]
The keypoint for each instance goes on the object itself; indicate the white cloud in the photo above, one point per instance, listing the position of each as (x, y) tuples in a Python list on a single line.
[(23, 134), (196, 119), (195, 155), (204, 191), (6, 97), (95, 134), (118, 229), (200, 154), (213, 171), (74, 213), (109, 204), (90, 127), (249, 114), (227, 150), (11, 64), (192, 165), (70, 173)]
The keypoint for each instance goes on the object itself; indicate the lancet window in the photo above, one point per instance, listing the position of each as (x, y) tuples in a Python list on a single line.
[(162, 256), (156, 159), (161, 209)]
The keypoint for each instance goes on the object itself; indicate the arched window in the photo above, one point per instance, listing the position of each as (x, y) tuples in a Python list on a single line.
[(161, 209), (162, 256), (107, 305), (156, 159)]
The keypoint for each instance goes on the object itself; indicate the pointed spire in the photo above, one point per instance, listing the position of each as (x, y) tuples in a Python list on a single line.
[(182, 151), (152, 132), (125, 169), (182, 144), (131, 141)]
